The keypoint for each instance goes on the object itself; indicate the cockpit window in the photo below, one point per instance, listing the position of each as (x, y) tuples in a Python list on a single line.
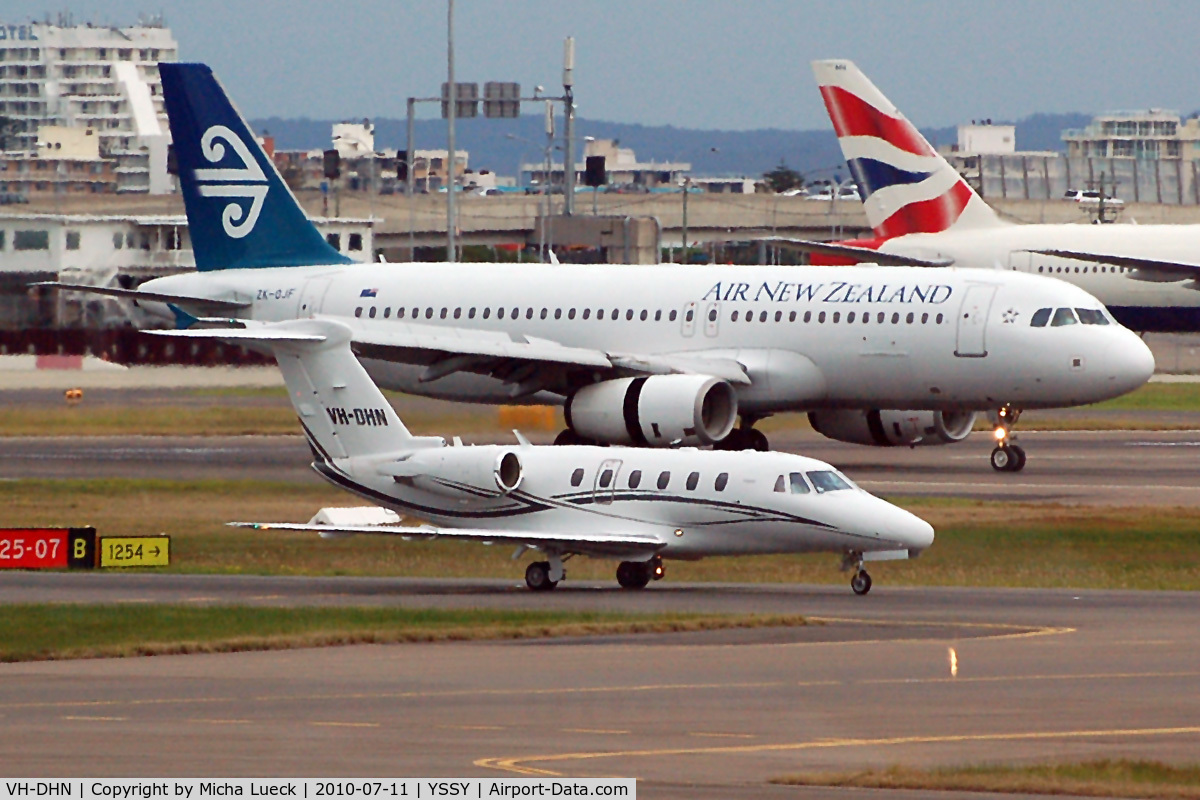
[(1041, 317), (797, 484), (1063, 316), (1091, 316), (827, 481), (781, 484)]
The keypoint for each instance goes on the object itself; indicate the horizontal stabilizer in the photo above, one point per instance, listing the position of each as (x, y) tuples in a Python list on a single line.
[(262, 333), (860, 254), (1179, 270), (139, 294), (589, 543)]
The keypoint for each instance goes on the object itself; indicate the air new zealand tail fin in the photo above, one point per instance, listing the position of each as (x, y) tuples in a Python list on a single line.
[(240, 212)]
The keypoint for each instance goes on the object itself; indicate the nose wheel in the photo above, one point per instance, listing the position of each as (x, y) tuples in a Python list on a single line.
[(861, 582), (1008, 456)]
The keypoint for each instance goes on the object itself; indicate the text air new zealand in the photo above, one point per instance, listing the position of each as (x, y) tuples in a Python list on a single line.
[(651, 355)]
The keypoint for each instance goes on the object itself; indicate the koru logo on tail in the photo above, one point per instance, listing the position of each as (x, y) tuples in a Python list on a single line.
[(246, 182)]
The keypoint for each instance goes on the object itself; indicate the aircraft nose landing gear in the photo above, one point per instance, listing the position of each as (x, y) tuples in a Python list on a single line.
[(1008, 456)]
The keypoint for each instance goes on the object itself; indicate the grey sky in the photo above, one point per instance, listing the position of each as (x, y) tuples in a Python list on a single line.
[(698, 64)]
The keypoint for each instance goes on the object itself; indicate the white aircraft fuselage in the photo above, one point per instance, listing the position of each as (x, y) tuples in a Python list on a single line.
[(1141, 300), (808, 337)]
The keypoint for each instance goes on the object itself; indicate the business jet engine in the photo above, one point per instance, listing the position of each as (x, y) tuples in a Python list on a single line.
[(459, 471), (893, 428), (658, 411)]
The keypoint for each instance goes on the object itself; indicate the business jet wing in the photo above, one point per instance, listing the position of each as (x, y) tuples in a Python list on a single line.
[(201, 303), (599, 544), (1151, 268), (860, 254)]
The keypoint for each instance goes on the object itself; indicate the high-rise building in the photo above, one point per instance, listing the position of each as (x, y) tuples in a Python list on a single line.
[(89, 76)]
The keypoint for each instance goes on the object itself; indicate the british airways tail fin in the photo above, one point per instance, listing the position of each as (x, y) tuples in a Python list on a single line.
[(905, 185), (240, 212), (342, 410)]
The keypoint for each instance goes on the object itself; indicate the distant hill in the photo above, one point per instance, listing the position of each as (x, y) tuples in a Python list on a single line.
[(748, 153)]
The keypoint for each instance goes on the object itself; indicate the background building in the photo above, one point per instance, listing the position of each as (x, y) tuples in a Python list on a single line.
[(82, 78)]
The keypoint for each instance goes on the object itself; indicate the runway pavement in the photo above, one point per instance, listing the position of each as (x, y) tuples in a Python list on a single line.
[(1038, 674), (1109, 468)]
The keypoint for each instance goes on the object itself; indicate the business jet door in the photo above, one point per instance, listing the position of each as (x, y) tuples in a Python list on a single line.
[(972, 321), (606, 480)]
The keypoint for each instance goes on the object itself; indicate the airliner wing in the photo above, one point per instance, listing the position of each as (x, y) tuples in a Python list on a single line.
[(1157, 269), (860, 254), (210, 304), (587, 543), (529, 364)]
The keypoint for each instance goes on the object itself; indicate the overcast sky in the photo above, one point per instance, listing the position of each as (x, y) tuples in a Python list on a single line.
[(698, 64)]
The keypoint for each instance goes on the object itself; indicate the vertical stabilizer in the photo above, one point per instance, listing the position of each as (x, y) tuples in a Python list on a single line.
[(905, 185), (240, 212), (342, 410)]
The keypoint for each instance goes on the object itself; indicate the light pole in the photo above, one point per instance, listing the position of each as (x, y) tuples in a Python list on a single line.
[(451, 219), (544, 199)]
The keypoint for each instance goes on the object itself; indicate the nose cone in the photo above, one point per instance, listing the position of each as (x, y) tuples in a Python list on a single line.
[(1129, 364), (907, 528)]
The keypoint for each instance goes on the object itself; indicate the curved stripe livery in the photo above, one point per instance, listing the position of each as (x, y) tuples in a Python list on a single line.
[(927, 216), (853, 116)]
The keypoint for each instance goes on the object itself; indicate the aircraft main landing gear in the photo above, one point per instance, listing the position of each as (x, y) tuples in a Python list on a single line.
[(1008, 456), (636, 574), (744, 438)]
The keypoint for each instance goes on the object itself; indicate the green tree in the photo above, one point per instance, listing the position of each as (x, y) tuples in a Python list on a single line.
[(783, 178)]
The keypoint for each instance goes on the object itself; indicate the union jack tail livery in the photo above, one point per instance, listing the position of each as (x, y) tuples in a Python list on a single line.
[(905, 185)]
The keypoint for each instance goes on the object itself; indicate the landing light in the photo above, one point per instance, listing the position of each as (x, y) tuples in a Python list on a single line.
[(1000, 433)]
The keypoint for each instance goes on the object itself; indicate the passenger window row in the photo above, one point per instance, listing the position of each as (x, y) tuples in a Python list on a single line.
[(880, 317), (644, 315), (1083, 269), (1060, 317), (634, 480)]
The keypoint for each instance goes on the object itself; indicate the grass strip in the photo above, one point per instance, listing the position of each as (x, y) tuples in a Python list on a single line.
[(979, 543), (1099, 778), (30, 632), (234, 419)]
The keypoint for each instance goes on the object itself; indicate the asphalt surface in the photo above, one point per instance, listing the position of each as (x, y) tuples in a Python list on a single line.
[(1037, 675), (1126, 468)]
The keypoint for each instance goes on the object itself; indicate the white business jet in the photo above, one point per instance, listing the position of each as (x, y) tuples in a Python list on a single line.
[(657, 356), (635, 505), (924, 214)]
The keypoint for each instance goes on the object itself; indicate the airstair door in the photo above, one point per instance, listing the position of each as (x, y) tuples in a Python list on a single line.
[(972, 321), (606, 480)]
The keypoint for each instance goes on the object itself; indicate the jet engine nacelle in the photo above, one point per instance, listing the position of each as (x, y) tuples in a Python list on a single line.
[(893, 428), (658, 411), (459, 471)]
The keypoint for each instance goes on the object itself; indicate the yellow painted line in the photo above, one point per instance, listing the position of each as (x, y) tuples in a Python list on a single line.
[(1094, 676), (723, 735), (472, 727), (520, 764), (199, 599), (264, 597), (98, 719), (593, 730), (222, 721), (346, 724)]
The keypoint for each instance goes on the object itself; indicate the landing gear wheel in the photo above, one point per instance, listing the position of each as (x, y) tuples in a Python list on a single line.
[(633, 574), (861, 582), (569, 437), (757, 440), (1008, 458), (537, 577)]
